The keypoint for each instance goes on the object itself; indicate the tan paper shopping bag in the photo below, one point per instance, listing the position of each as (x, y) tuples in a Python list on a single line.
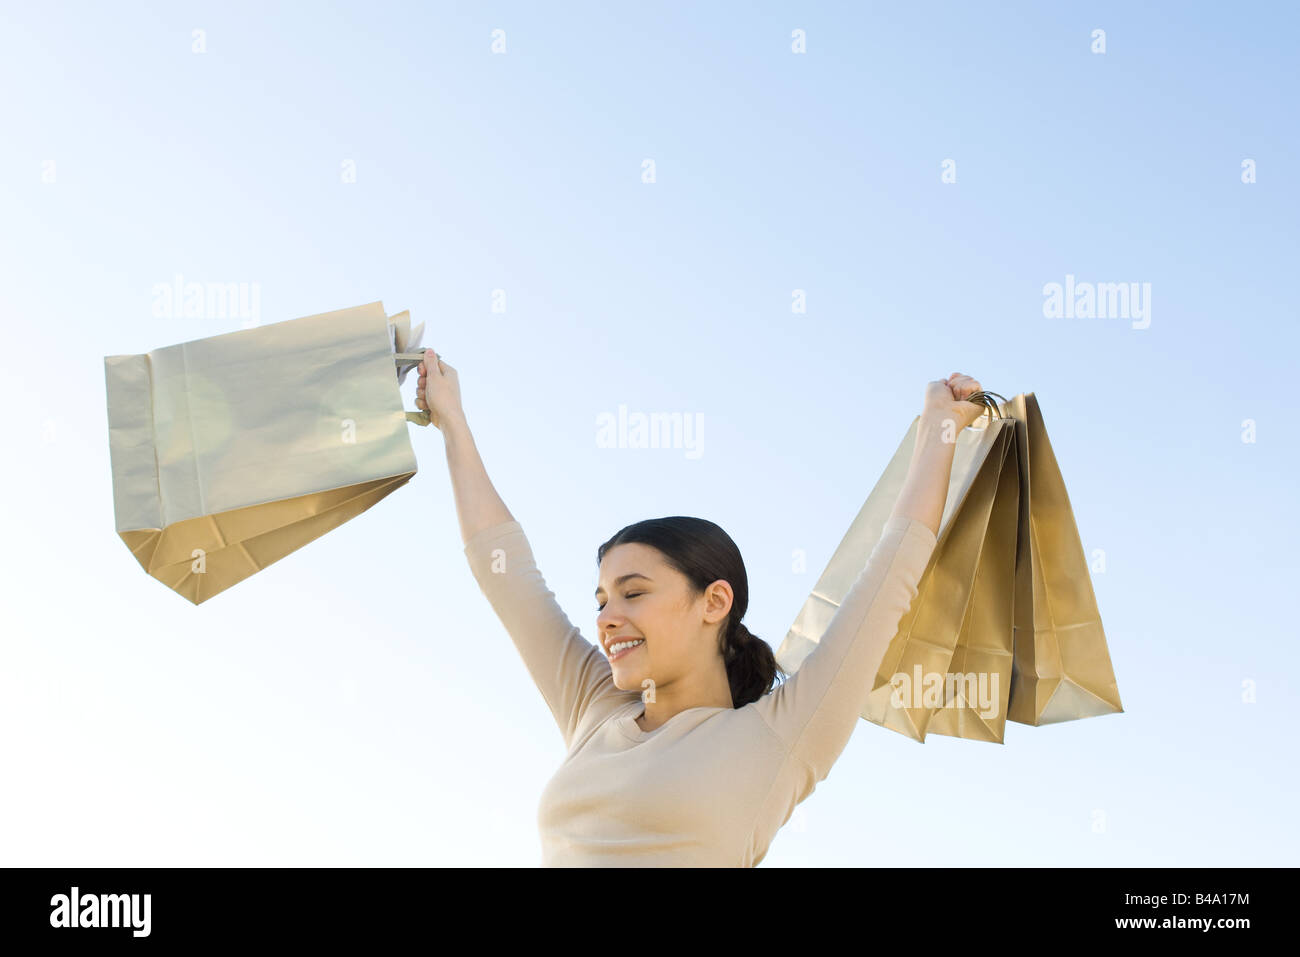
[(230, 452), (1005, 624), (910, 683), (976, 689), (1062, 664), (929, 631)]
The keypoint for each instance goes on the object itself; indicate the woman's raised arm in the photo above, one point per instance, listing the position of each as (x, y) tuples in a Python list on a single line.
[(478, 506), (815, 711), (571, 673)]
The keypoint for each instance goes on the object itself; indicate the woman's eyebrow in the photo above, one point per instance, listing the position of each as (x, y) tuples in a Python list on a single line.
[(622, 578)]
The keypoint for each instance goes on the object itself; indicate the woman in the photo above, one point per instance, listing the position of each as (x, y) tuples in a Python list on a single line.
[(679, 751)]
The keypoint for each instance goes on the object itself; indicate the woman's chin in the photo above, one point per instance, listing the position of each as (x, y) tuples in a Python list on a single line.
[(626, 679)]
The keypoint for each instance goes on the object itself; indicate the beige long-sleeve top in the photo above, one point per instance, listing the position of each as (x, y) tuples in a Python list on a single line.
[(711, 786)]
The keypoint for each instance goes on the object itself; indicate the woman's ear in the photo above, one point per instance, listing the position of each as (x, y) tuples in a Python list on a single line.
[(718, 599)]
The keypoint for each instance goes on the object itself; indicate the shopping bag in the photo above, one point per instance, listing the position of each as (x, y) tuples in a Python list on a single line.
[(974, 693), (230, 452), (1004, 624), (1063, 669), (928, 633)]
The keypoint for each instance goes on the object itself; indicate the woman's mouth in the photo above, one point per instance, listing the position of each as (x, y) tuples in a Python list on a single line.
[(621, 648)]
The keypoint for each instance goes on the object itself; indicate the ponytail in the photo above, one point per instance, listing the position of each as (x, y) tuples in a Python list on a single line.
[(751, 667)]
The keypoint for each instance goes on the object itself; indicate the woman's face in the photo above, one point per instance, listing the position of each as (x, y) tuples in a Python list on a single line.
[(641, 597)]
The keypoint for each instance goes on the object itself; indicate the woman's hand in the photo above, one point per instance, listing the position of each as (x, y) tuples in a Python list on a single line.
[(946, 399), (925, 490), (438, 391)]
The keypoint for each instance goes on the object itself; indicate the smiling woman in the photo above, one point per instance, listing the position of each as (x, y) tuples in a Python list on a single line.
[(686, 608), (681, 748)]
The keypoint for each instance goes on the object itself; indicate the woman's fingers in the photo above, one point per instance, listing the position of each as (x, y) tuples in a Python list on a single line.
[(421, 402), (962, 385)]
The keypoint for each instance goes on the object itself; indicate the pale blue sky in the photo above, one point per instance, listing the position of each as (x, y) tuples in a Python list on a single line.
[(358, 702)]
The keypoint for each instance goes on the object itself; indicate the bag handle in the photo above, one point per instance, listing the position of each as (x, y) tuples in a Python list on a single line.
[(988, 400), (419, 417)]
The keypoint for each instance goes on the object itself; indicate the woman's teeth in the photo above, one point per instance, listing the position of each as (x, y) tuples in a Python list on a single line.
[(622, 645)]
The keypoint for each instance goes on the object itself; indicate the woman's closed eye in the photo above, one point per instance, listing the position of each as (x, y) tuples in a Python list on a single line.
[(634, 594)]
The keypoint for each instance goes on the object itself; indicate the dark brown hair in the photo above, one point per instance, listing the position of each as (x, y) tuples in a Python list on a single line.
[(704, 553)]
